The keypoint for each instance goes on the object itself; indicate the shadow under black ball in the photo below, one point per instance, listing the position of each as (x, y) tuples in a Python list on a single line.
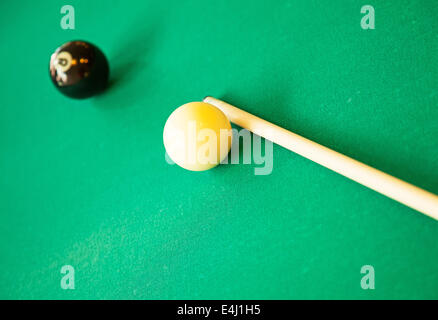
[(79, 69)]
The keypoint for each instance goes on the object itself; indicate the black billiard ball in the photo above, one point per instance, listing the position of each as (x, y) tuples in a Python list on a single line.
[(79, 69)]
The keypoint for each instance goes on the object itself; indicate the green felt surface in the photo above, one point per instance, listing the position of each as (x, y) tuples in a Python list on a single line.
[(86, 183)]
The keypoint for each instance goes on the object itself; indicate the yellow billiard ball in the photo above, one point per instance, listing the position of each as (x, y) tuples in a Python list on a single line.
[(197, 136)]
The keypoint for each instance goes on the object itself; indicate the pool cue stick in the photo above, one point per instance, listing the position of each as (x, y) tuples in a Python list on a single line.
[(394, 188)]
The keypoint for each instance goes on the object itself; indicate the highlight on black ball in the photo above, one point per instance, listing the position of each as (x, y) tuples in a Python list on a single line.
[(79, 69)]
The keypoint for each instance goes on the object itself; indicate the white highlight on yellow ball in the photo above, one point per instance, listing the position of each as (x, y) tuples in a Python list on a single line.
[(197, 136)]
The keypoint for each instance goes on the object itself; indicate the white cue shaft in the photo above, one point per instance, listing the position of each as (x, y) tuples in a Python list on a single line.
[(399, 190)]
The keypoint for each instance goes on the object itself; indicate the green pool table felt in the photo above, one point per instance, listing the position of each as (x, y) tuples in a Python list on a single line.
[(85, 182)]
